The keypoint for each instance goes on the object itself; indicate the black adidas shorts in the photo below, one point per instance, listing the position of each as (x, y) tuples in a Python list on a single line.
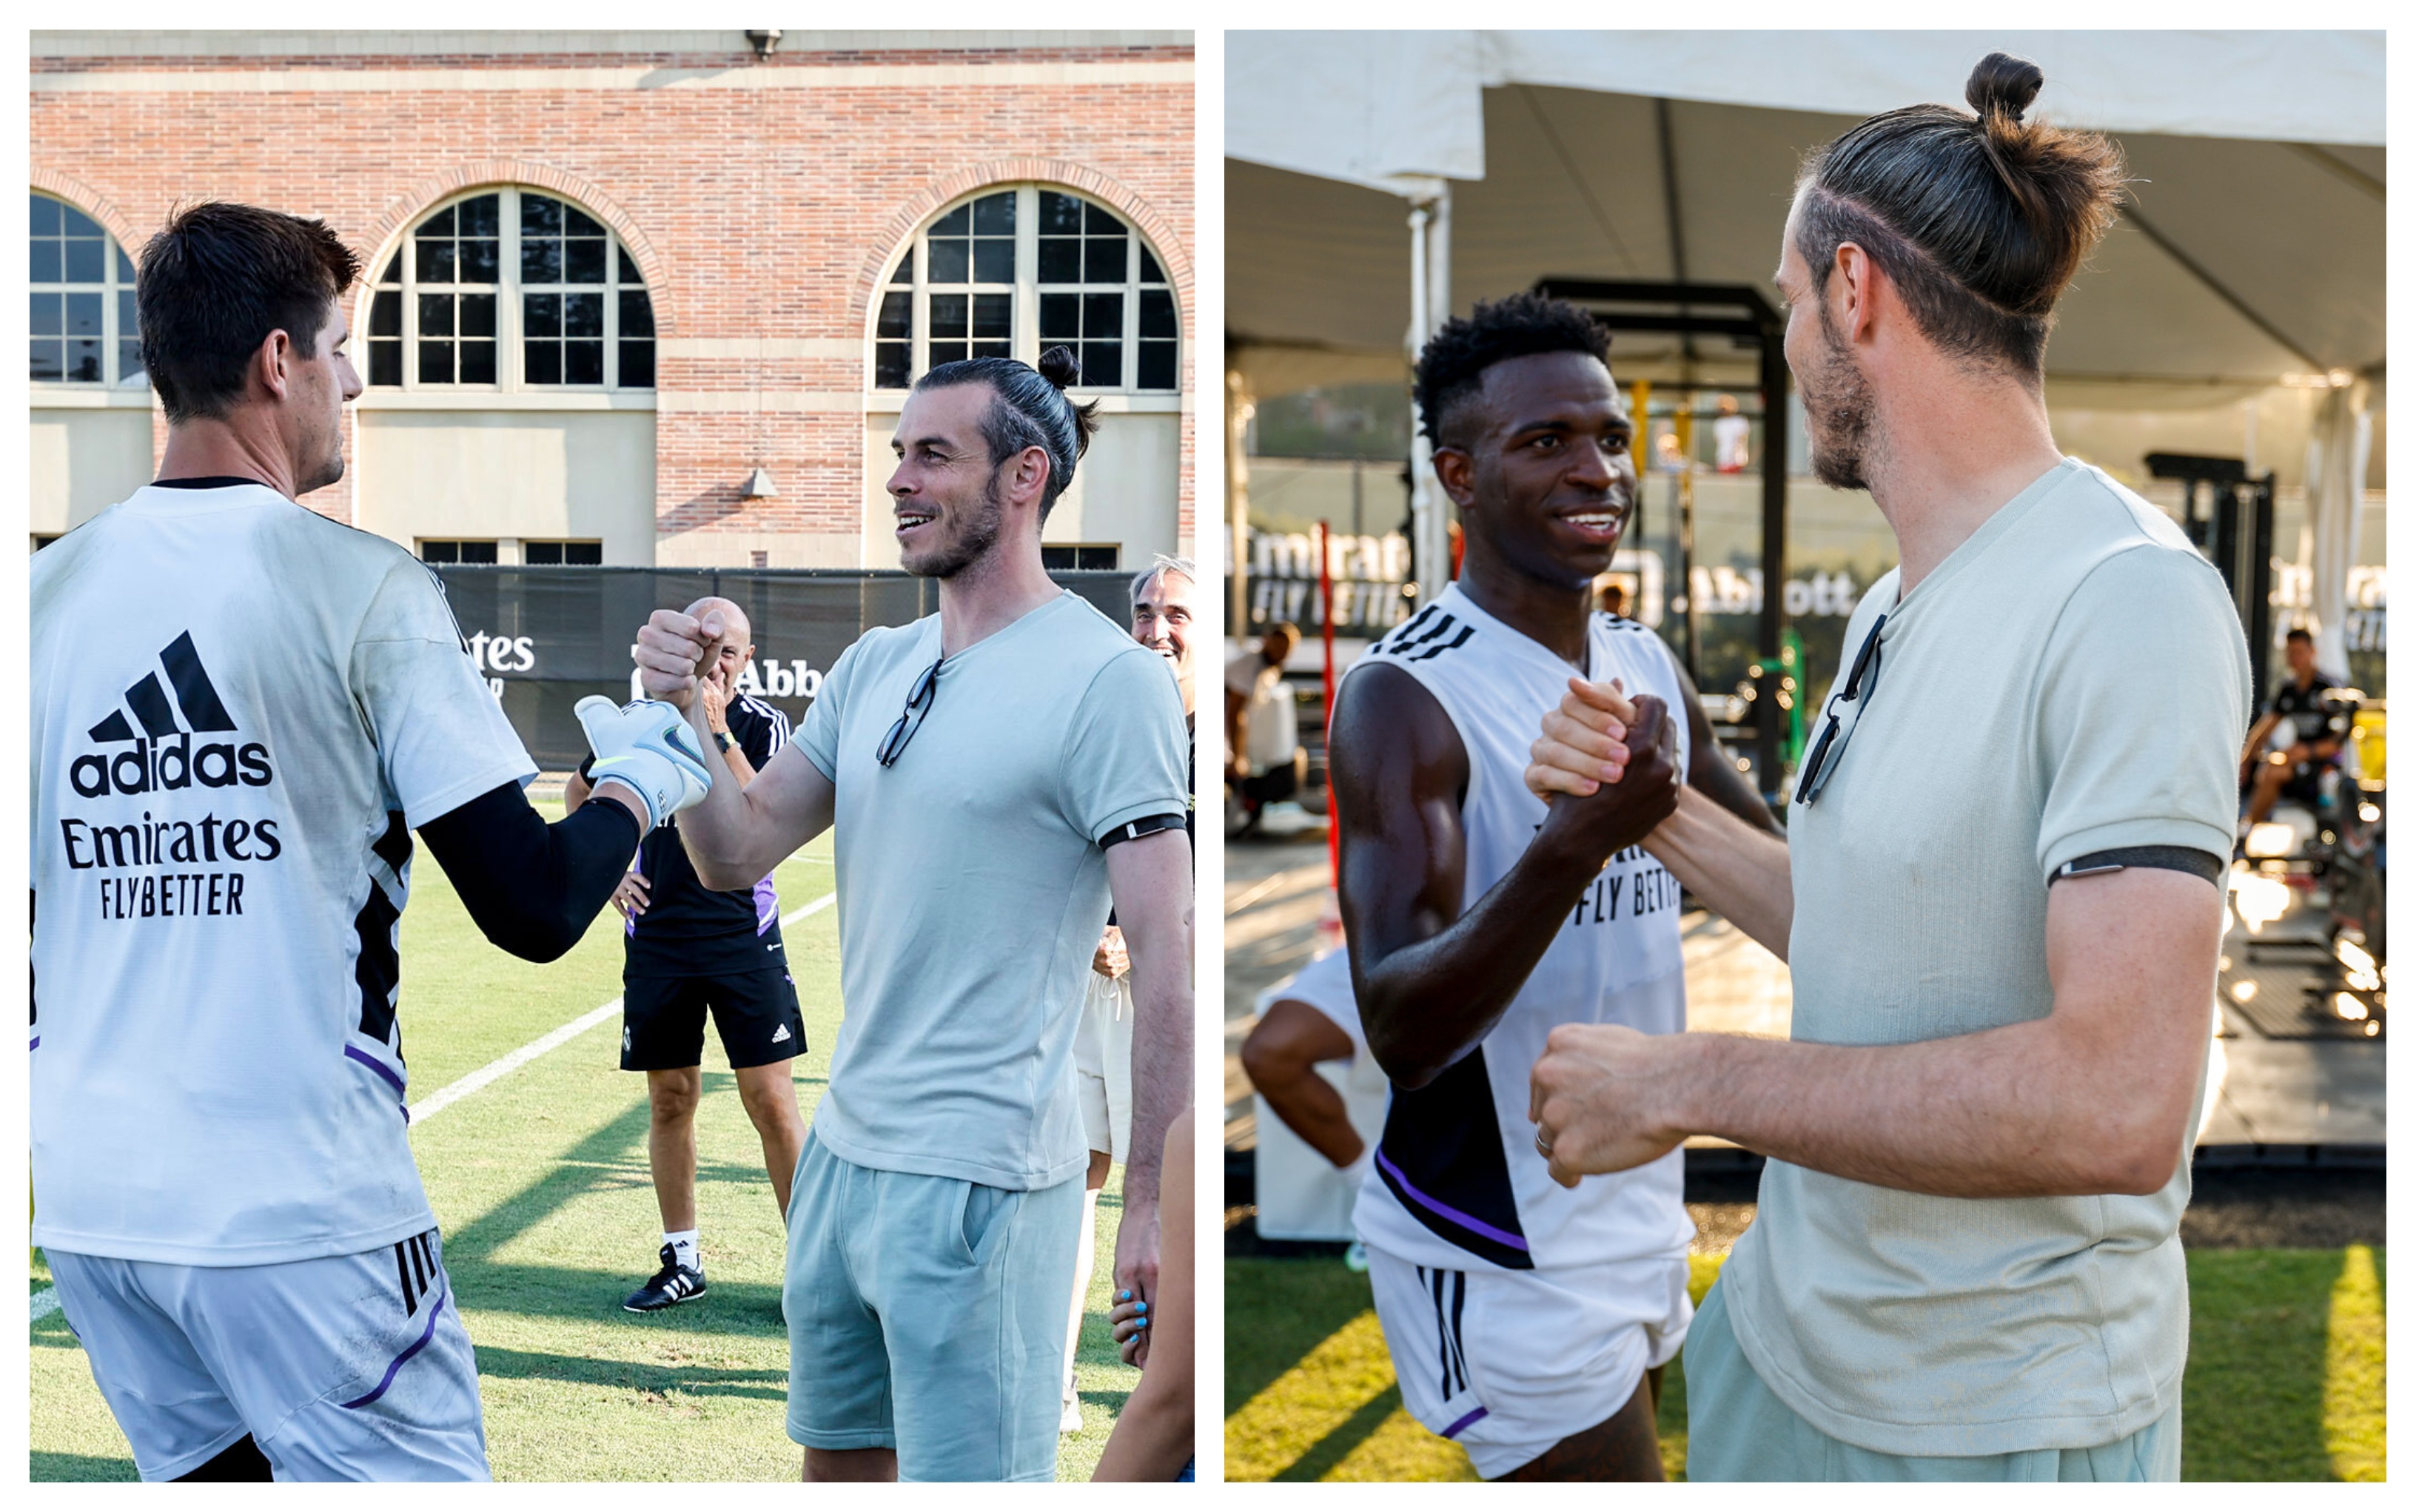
[(662, 1019)]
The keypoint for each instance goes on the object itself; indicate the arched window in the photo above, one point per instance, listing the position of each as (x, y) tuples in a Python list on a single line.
[(1012, 271), (510, 289), (84, 324)]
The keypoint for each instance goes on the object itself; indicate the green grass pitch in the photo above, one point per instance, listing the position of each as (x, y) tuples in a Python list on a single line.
[(539, 1181)]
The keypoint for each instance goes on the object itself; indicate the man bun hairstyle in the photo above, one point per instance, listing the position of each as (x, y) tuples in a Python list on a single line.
[(215, 281), (1981, 220), (1451, 369), (1029, 408)]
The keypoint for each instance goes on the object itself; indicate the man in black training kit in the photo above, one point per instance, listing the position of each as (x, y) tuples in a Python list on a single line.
[(1526, 1322), (690, 950), (224, 1182), (2319, 726)]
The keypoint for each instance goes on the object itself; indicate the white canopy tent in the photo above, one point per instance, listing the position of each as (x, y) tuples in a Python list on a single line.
[(2252, 256)]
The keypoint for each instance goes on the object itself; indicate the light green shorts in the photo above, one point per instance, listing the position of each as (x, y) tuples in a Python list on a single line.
[(928, 1315), (1738, 1429)]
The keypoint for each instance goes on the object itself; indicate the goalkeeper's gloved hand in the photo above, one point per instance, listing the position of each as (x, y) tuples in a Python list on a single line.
[(647, 746)]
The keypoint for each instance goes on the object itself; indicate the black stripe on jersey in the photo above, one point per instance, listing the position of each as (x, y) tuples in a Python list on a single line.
[(1441, 1153), (1441, 626), (394, 846), (149, 701), (770, 716), (378, 969), (194, 692), (114, 728), (1452, 644), (402, 1277), (1458, 1306), (1400, 636)]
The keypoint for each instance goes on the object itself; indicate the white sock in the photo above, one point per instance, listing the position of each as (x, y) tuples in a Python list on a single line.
[(684, 1248)]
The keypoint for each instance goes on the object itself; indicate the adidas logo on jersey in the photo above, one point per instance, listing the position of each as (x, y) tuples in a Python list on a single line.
[(162, 756)]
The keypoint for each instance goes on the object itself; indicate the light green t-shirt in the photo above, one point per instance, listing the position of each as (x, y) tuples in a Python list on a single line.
[(971, 889), (2072, 679)]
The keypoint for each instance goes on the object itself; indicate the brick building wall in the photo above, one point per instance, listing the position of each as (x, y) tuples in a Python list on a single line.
[(762, 199)]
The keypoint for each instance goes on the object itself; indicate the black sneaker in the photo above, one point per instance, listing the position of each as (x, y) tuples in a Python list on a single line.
[(674, 1284)]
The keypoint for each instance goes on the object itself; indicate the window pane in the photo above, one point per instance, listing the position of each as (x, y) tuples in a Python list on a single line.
[(583, 554), (477, 314), (582, 261), (1156, 363), (1103, 314), (481, 261), (385, 312), (541, 216), (1103, 259), (1157, 313), (891, 367), (45, 213), (1103, 365), (948, 315), (50, 362), (440, 551), (994, 213), (628, 271), (1101, 221), (956, 223), (1149, 271), (950, 260), (83, 314), (947, 352), (477, 362), (129, 363), (992, 349), (1061, 215), (478, 552), (896, 321), (84, 262), (129, 319), (637, 313), (46, 264), (991, 313), (385, 364), (435, 362), (543, 313), (541, 361), (583, 362), (541, 554), (482, 217), (50, 316), (435, 260), (1060, 317), (125, 268), (435, 315), (995, 262), (582, 314), (540, 259), (636, 364), (578, 223), (1061, 260), (905, 273), (440, 224)]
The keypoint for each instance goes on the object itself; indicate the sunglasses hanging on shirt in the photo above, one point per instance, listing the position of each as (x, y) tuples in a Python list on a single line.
[(1862, 686), (918, 705)]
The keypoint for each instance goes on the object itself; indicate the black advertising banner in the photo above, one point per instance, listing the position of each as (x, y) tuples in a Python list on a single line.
[(546, 637)]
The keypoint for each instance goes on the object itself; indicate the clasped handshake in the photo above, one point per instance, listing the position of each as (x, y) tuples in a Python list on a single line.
[(646, 746)]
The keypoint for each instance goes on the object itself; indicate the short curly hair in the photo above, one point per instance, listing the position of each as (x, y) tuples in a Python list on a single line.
[(1452, 367)]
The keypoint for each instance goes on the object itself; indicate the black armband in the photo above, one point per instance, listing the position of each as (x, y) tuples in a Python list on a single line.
[(1139, 828), (2204, 865)]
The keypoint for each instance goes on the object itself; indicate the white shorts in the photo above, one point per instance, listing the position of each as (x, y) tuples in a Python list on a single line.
[(1103, 1063), (350, 1367), (1507, 1364)]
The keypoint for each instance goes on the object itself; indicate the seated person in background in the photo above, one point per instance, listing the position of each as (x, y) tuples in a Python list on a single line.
[(2319, 728), (1310, 1019), (1264, 758)]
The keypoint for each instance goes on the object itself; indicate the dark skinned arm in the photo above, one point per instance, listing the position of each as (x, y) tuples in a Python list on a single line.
[(1432, 982)]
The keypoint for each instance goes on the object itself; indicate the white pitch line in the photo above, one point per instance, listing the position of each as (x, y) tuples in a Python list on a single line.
[(46, 1301)]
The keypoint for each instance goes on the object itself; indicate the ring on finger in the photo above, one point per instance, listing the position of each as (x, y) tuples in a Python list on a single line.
[(1542, 1145)]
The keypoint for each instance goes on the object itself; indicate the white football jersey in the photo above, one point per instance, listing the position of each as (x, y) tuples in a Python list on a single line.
[(1457, 1180), (240, 710)]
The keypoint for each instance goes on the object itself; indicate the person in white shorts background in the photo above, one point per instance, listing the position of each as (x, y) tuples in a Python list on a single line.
[(1522, 1316), (1161, 620), (222, 822), (1304, 1021)]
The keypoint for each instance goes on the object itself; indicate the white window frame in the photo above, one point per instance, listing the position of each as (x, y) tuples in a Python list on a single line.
[(1024, 313), (510, 307), (114, 281)]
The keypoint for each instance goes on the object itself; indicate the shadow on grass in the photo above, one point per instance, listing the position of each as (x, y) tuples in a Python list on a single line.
[(48, 1465), (2252, 1402), (1290, 1307), (1348, 1434), (629, 1375)]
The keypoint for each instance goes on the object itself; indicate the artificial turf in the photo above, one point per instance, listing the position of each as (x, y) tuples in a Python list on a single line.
[(2284, 1380), (540, 1184)]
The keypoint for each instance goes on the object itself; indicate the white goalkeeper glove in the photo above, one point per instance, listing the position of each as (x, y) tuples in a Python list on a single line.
[(647, 746)]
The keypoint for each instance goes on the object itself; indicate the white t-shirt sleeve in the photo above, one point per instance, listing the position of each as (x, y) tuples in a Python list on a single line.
[(1127, 758), (2141, 706), (817, 733), (442, 737)]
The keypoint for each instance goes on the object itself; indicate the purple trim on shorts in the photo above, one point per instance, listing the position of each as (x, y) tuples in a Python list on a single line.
[(767, 907), (1473, 1225), (403, 1358), (1452, 1431), (375, 1065), (36, 1044)]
